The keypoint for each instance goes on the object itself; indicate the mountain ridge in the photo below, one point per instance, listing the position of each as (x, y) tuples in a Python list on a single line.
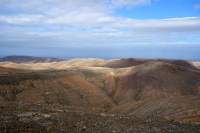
[(160, 90)]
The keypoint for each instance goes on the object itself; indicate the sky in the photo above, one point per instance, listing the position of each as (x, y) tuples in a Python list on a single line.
[(101, 28)]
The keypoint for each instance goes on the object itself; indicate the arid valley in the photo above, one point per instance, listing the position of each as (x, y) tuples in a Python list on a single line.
[(99, 96)]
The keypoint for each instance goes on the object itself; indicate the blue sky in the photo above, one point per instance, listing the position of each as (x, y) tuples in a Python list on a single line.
[(101, 28), (163, 9)]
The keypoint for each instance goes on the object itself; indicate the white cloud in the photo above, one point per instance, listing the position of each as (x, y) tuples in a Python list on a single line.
[(89, 14), (130, 3), (100, 20), (89, 21), (21, 19), (70, 4), (171, 24)]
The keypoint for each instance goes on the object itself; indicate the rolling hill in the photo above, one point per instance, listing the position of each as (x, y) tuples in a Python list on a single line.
[(140, 89)]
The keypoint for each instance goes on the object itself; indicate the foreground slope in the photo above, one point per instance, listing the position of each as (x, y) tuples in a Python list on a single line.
[(159, 88)]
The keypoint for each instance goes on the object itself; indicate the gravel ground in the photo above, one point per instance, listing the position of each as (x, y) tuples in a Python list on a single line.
[(81, 122)]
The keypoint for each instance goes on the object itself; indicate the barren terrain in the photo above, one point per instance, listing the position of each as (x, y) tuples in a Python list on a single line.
[(99, 96)]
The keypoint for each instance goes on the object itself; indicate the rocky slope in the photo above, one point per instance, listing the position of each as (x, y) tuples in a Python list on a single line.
[(165, 93)]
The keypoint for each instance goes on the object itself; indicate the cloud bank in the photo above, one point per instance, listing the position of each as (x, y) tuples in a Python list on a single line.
[(90, 23)]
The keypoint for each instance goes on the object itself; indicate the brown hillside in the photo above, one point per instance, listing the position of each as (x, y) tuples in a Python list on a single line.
[(124, 63), (151, 89)]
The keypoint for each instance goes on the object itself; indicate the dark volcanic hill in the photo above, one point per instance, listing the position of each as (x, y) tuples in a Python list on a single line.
[(159, 87), (121, 90), (121, 63), (163, 77), (23, 59)]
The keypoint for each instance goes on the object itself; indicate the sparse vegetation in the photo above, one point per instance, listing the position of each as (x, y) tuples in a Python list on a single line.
[(153, 96)]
